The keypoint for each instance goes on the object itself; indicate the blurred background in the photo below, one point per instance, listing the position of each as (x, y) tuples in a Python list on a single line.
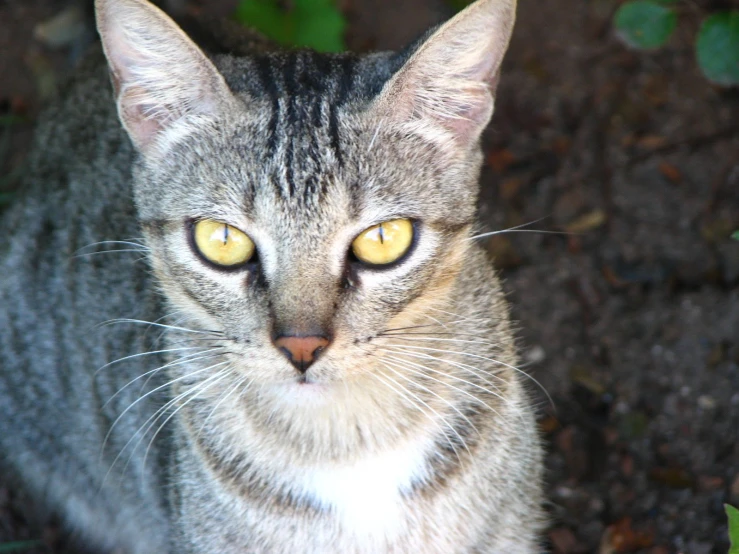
[(615, 143)]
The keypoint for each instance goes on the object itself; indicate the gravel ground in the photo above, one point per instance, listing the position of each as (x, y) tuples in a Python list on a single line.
[(628, 306)]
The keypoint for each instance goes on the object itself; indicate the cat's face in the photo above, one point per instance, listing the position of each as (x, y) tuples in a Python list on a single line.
[(303, 205), (302, 154)]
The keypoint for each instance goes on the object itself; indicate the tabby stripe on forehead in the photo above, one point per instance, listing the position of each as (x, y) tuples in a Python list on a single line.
[(306, 91), (264, 69), (320, 79), (291, 86), (345, 79), (293, 69)]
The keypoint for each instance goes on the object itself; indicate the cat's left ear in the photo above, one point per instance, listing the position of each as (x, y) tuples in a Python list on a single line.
[(445, 90), (164, 85)]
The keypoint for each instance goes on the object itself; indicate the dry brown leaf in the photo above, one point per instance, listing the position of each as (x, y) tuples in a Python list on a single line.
[(671, 172), (587, 222), (549, 424), (651, 142), (621, 537), (500, 159), (509, 188)]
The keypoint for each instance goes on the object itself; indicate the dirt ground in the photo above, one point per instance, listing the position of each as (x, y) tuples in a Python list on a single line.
[(628, 313)]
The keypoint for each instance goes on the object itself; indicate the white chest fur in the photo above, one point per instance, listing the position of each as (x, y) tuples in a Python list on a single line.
[(366, 496)]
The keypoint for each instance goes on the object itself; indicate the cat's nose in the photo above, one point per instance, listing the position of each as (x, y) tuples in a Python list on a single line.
[(301, 351)]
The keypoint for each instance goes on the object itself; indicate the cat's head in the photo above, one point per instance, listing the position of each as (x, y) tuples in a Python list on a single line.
[(302, 204)]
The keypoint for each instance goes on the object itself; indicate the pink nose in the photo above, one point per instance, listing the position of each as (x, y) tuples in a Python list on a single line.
[(301, 351)]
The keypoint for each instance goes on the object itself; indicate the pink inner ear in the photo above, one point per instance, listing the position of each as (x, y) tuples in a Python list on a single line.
[(122, 58), (143, 129), (445, 90), (452, 108), (160, 76), (466, 108), (471, 120)]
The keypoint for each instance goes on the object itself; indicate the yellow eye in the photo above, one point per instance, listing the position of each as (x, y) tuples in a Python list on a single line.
[(384, 243), (222, 244)]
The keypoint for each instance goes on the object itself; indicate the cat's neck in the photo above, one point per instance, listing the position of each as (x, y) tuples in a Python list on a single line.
[(314, 423)]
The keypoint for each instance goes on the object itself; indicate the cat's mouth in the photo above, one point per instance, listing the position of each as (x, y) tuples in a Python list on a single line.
[(308, 381), (304, 390)]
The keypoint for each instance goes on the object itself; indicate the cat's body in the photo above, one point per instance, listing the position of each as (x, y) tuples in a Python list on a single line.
[(407, 430)]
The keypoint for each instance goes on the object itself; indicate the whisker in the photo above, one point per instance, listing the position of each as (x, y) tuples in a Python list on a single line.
[(176, 318), (476, 372), (160, 387), (204, 342), (404, 392), (130, 242), (477, 356), (412, 327), (436, 339), (150, 353), (473, 370), (538, 232), (456, 378), (222, 353), (88, 254), (436, 323), (515, 228), (374, 136), (460, 319), (195, 392), (443, 419), (431, 334), (196, 356), (222, 399), (162, 325), (452, 406), (157, 414), (434, 319)]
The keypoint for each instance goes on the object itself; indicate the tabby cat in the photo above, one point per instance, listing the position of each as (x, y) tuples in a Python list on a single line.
[(296, 346)]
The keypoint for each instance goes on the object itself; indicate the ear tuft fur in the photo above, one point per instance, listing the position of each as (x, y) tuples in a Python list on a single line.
[(445, 89), (164, 84)]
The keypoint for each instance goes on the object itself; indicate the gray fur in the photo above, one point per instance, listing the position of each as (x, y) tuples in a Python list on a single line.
[(301, 151)]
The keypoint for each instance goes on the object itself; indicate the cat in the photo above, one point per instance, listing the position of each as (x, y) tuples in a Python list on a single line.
[(297, 346)]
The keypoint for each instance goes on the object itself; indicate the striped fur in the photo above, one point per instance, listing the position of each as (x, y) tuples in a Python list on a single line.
[(178, 426)]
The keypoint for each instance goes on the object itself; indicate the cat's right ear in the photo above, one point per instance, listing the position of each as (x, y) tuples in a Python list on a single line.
[(164, 85), (445, 90)]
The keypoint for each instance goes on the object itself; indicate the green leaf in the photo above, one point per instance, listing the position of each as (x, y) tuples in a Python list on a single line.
[(18, 546), (265, 17), (644, 24), (735, 235), (321, 30), (316, 24), (717, 48), (733, 515), (5, 198), (309, 5)]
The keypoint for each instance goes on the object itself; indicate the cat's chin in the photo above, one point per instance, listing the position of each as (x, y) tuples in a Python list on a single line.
[(305, 390)]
